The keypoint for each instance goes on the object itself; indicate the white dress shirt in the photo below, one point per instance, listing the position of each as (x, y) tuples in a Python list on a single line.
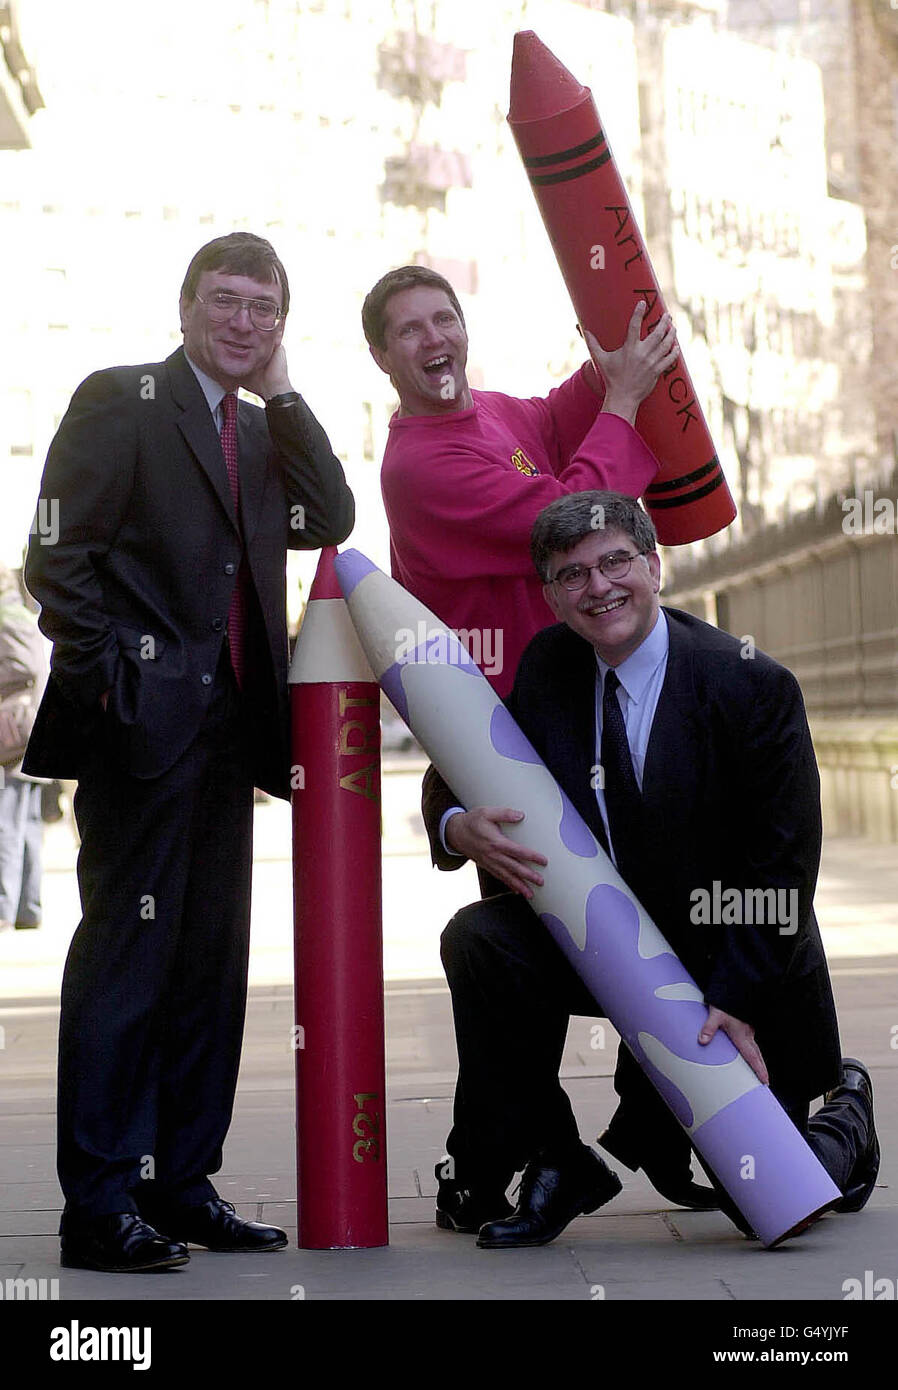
[(212, 390)]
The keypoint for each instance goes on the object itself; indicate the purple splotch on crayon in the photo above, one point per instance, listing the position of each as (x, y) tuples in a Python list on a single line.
[(611, 958), (507, 739), (352, 567), (391, 684), (575, 833), (442, 648), (509, 742)]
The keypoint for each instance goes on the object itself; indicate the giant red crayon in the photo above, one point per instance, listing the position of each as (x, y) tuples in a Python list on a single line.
[(341, 1190), (606, 267)]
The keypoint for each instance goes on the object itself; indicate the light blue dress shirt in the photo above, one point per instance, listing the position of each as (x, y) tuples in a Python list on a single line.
[(212, 390)]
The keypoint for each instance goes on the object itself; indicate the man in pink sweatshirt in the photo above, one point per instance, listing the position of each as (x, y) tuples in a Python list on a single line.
[(466, 472)]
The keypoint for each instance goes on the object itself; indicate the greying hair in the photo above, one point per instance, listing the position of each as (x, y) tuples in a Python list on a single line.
[(407, 277), (565, 522), (238, 253)]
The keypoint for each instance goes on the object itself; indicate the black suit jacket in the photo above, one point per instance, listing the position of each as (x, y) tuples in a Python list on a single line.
[(135, 589), (731, 794)]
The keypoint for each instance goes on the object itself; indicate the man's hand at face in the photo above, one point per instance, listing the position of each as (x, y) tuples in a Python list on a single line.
[(631, 372), (477, 835), (740, 1034), (271, 379)]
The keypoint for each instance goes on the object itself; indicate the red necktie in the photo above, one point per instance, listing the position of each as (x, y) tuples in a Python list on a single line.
[(237, 610)]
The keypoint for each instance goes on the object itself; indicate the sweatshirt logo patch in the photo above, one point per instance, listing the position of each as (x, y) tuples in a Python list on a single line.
[(523, 464)]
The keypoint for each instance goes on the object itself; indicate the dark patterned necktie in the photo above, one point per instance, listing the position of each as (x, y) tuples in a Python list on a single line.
[(237, 610), (623, 799)]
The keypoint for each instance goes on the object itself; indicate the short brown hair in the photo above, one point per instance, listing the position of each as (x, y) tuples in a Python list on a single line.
[(238, 253), (407, 277)]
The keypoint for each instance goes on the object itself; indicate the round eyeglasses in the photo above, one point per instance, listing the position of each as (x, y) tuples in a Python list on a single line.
[(613, 566), (220, 307)]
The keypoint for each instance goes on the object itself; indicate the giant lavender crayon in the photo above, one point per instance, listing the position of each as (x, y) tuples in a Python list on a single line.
[(603, 931)]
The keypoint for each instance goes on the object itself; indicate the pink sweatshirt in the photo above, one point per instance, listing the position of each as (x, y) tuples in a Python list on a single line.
[(462, 492)]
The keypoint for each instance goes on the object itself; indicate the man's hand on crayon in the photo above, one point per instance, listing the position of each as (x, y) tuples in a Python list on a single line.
[(740, 1034), (632, 370), (477, 835)]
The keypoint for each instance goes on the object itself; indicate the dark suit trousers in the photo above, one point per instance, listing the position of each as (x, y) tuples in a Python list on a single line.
[(512, 995), (154, 990)]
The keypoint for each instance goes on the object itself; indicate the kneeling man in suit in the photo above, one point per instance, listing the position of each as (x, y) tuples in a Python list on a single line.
[(707, 777), (167, 508)]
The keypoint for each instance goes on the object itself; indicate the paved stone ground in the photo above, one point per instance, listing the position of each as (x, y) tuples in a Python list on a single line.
[(637, 1248)]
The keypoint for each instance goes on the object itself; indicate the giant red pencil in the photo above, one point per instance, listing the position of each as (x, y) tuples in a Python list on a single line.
[(606, 267), (341, 1194)]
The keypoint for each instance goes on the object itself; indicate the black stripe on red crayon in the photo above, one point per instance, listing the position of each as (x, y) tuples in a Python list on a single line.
[(659, 504), (565, 175), (672, 484), (539, 161)]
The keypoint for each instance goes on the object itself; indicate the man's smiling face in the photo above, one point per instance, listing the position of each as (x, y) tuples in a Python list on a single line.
[(614, 615), (426, 352), (229, 352)]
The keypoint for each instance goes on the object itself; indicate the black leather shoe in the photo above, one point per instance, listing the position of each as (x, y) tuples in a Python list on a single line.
[(549, 1200), (856, 1079), (215, 1225), (674, 1184), (466, 1209), (122, 1243)]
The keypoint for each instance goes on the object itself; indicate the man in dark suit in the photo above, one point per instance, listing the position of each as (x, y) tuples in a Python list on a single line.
[(169, 509), (688, 755)]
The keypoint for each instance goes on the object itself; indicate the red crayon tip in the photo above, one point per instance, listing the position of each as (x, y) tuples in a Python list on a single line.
[(326, 584), (540, 85)]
